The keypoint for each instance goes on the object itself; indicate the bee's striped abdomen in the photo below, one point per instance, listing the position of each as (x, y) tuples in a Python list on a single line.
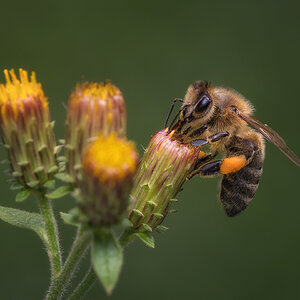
[(238, 189)]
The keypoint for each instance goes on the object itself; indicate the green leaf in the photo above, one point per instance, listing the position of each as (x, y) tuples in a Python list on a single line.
[(146, 238), (23, 219), (60, 192), (50, 184), (69, 219), (64, 177), (62, 141), (107, 258), (61, 159), (16, 186), (23, 195), (33, 183), (161, 228)]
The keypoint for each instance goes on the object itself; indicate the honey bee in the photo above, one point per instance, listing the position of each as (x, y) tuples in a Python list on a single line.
[(219, 117)]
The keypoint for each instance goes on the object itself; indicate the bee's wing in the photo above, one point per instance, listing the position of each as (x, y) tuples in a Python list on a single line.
[(272, 136)]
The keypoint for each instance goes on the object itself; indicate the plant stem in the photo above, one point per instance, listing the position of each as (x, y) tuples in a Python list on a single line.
[(89, 279), (53, 247), (127, 237), (80, 244)]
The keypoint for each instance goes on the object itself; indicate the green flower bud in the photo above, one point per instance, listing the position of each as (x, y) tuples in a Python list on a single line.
[(93, 109), (163, 170), (26, 129), (109, 164)]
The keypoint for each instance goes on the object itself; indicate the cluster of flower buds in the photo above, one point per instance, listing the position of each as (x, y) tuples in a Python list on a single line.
[(93, 109), (99, 159), (102, 167), (26, 129)]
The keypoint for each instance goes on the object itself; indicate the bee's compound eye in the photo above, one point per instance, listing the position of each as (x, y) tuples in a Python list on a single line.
[(203, 104)]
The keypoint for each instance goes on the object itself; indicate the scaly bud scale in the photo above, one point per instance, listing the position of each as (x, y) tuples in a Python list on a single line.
[(26, 129), (93, 109), (163, 170), (109, 164)]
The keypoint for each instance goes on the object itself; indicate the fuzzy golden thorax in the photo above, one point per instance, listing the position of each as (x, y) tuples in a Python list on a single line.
[(218, 116)]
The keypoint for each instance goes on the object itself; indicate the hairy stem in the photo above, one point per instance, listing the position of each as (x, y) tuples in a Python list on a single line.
[(80, 244), (87, 282), (52, 244)]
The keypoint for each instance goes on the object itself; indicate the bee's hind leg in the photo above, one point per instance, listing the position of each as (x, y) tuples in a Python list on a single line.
[(239, 153), (216, 167)]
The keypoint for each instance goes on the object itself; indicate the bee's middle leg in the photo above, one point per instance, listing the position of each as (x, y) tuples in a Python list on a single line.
[(204, 160)]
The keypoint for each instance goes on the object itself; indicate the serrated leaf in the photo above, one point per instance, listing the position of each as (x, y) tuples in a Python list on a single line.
[(59, 192), (23, 195), (146, 238), (69, 219), (107, 258), (23, 219)]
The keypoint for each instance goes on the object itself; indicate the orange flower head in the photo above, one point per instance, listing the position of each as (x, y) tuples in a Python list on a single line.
[(93, 109), (109, 165), (26, 129)]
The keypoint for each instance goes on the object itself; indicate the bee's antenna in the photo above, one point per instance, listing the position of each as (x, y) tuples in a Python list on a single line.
[(170, 111)]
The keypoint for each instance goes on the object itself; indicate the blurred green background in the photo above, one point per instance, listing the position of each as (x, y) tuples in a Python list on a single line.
[(153, 51)]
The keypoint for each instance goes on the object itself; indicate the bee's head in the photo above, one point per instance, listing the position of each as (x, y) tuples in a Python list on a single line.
[(198, 103)]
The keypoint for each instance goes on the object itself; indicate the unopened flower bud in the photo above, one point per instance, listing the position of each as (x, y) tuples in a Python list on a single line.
[(93, 109), (109, 164), (26, 129), (161, 173)]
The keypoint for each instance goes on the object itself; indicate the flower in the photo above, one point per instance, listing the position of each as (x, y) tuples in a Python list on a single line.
[(164, 168), (26, 129), (109, 164), (93, 109)]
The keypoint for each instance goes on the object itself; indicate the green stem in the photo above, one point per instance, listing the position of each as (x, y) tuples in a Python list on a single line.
[(89, 279), (52, 245), (80, 244), (127, 237)]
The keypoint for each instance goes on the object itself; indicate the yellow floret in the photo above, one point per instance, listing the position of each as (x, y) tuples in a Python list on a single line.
[(100, 90), (17, 91), (110, 159)]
